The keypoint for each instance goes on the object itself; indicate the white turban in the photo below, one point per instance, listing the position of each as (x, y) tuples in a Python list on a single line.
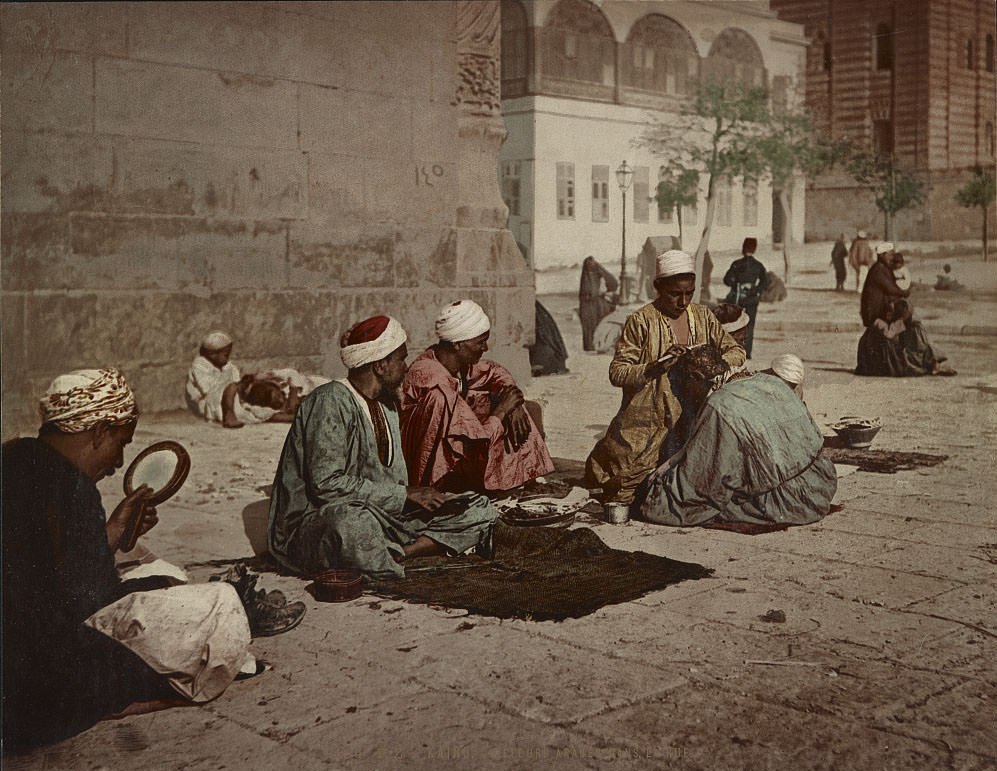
[(861, 234), (370, 340), (788, 367), (674, 262), (462, 320), (215, 341), (84, 398), (884, 247), (739, 323)]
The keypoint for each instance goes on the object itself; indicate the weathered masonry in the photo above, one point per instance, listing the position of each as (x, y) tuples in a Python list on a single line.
[(277, 170)]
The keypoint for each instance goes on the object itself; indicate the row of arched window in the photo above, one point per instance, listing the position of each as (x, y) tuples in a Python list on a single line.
[(576, 46)]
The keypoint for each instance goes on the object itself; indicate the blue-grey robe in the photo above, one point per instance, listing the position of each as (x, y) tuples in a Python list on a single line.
[(753, 456), (335, 505)]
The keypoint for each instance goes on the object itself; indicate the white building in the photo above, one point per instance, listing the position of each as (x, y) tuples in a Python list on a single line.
[(581, 79)]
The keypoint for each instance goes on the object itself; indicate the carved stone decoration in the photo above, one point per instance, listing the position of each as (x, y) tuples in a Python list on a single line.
[(478, 91), (478, 84)]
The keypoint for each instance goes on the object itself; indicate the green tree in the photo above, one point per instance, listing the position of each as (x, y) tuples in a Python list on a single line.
[(715, 136), (789, 151), (677, 188), (979, 191), (894, 189)]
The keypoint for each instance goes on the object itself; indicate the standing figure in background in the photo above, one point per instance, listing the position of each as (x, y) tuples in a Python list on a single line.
[(747, 279), (859, 257), (838, 255), (704, 285), (593, 305)]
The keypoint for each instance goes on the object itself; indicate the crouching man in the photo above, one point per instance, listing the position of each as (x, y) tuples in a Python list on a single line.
[(80, 644), (754, 454), (341, 497)]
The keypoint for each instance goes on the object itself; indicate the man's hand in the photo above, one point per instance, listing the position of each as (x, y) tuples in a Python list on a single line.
[(517, 428), (124, 515), (658, 368), (426, 498), (510, 399)]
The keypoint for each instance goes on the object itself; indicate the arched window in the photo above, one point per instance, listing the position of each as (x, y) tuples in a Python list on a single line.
[(659, 56), (514, 61), (735, 56), (969, 54), (883, 41), (578, 45), (989, 62)]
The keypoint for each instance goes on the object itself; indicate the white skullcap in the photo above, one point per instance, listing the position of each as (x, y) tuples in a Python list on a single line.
[(215, 341), (739, 323), (82, 399), (370, 340), (674, 262), (884, 247), (861, 234), (462, 320), (788, 367)]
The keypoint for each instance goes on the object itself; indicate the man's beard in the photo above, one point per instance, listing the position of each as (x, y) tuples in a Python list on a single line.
[(391, 395)]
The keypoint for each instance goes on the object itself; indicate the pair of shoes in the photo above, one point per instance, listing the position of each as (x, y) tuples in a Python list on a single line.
[(944, 371), (270, 613)]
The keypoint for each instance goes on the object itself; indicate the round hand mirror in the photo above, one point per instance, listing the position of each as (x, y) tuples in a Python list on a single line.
[(163, 466)]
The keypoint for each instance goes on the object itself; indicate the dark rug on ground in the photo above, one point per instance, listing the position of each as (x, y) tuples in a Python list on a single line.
[(879, 461), (541, 574)]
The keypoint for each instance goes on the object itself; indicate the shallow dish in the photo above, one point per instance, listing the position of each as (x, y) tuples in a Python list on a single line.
[(338, 585)]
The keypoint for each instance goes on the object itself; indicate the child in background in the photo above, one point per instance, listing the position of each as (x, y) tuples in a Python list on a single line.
[(900, 272)]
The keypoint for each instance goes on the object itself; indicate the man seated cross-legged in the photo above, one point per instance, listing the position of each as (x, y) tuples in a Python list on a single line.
[(341, 497)]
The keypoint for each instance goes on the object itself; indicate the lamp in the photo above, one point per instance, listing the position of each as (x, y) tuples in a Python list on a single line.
[(624, 176)]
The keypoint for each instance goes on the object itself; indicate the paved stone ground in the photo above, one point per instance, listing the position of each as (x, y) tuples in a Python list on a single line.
[(884, 660)]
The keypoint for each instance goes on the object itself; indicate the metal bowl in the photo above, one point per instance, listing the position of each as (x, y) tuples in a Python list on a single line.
[(858, 433)]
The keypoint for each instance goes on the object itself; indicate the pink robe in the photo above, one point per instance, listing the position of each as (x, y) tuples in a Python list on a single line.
[(445, 433)]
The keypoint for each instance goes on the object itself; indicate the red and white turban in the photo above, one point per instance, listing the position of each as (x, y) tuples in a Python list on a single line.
[(84, 398), (370, 340), (737, 324), (462, 320), (674, 262)]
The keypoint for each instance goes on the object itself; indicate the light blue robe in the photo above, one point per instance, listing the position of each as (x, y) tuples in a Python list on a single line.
[(335, 505), (754, 456)]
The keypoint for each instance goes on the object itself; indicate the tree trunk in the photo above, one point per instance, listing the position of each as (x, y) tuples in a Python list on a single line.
[(787, 219), (678, 215), (704, 241), (886, 226)]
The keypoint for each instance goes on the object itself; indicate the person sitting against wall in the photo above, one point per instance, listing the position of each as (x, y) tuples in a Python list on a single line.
[(217, 392)]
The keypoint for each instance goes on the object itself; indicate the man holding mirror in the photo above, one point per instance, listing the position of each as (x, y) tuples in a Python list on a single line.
[(80, 643)]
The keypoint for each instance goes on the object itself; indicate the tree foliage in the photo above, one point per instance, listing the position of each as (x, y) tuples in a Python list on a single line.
[(980, 191), (894, 189), (730, 131)]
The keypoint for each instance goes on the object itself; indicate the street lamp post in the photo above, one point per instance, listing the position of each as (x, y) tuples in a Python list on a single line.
[(624, 176)]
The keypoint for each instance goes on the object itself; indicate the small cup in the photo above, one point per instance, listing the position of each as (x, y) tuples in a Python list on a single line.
[(616, 513)]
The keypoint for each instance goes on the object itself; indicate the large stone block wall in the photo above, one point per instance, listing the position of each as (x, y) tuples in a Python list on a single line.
[(277, 170)]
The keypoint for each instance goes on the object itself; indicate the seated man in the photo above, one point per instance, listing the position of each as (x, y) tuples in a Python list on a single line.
[(465, 425), (652, 338), (80, 644), (754, 456), (215, 391), (340, 498)]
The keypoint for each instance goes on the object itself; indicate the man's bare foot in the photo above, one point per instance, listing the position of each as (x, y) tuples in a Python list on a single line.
[(231, 423)]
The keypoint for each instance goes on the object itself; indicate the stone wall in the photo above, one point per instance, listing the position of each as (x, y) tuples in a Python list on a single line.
[(277, 170)]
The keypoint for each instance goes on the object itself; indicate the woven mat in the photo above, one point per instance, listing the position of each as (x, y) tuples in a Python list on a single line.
[(542, 574), (881, 461)]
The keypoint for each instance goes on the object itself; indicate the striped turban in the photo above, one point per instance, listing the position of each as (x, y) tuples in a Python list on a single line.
[(81, 400)]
